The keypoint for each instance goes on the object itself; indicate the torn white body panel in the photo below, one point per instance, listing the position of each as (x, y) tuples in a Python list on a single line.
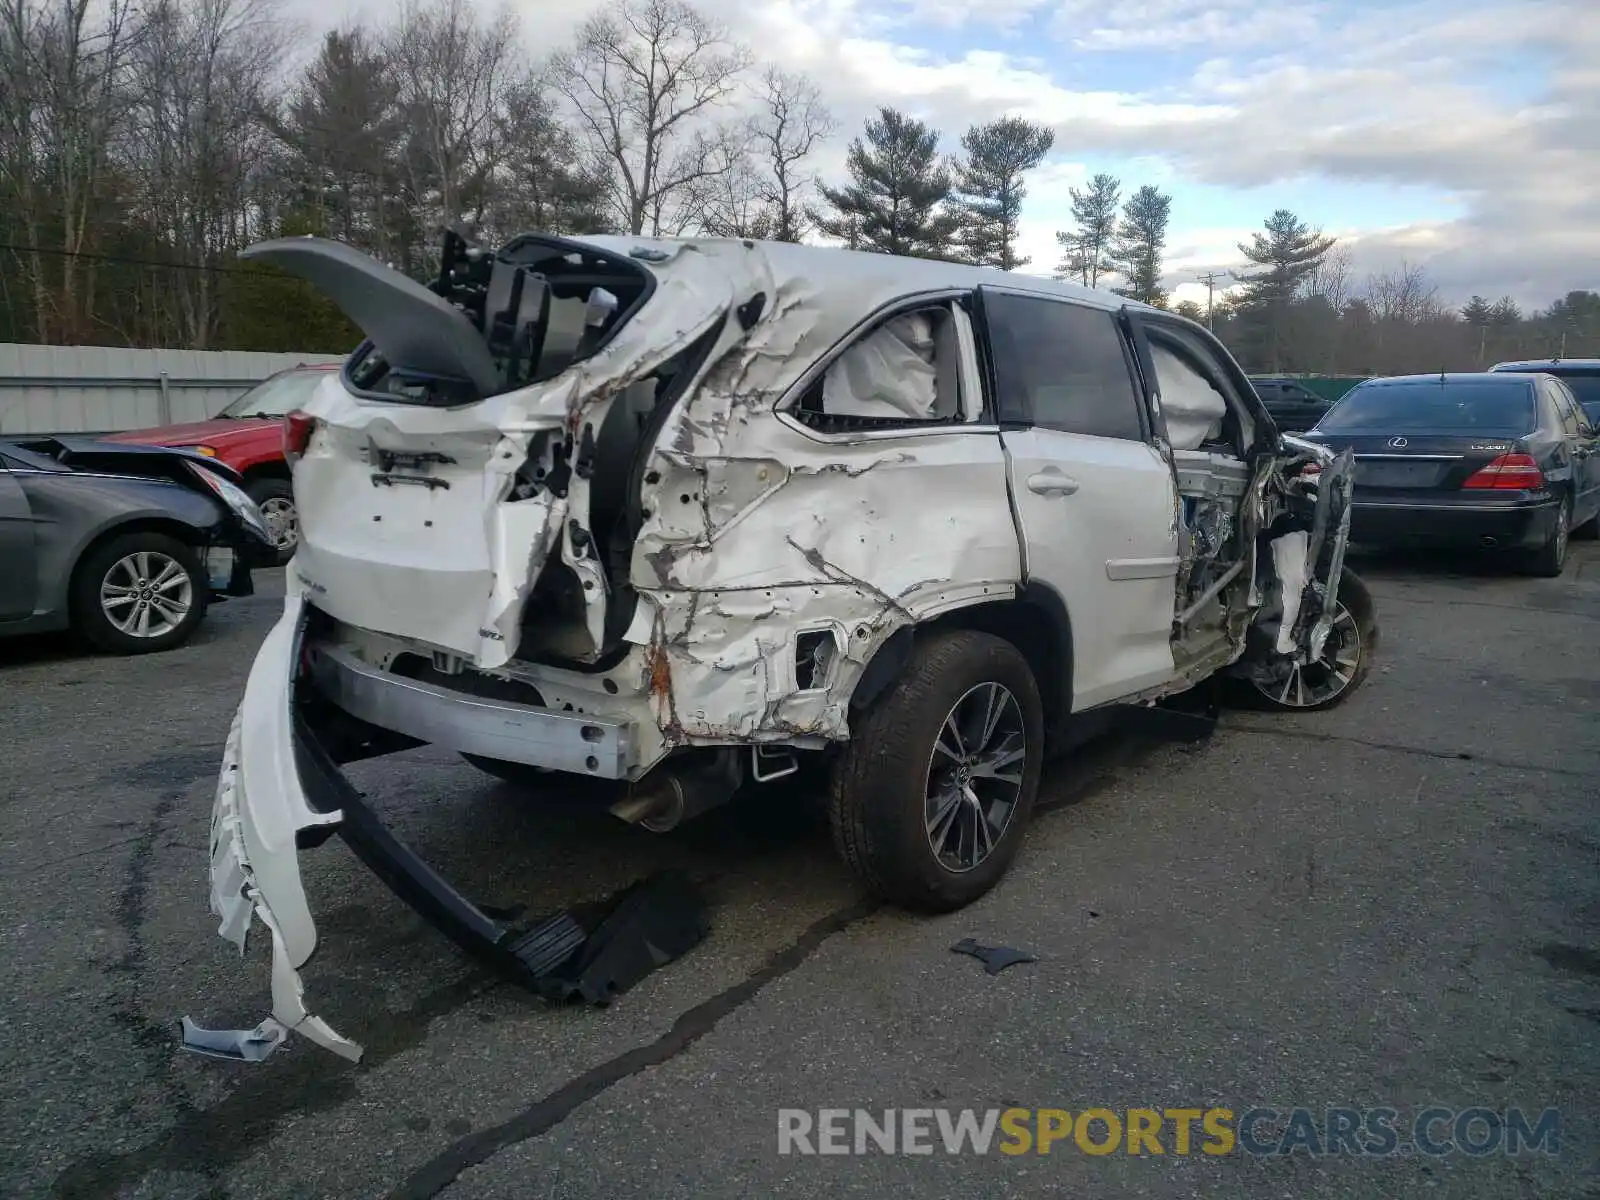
[(259, 809)]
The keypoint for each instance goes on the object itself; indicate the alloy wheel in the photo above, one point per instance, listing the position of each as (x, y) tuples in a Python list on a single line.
[(1306, 685), (283, 524), (975, 776), (146, 594)]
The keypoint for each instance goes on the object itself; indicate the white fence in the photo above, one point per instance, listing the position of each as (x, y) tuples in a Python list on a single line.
[(103, 389)]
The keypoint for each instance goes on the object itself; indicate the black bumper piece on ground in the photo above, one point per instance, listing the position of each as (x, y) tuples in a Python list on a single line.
[(1453, 526), (597, 952)]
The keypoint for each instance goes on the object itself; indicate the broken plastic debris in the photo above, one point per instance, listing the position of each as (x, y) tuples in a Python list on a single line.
[(656, 920), (994, 958), (236, 1045)]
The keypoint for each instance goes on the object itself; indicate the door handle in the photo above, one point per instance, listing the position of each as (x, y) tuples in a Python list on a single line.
[(1047, 483)]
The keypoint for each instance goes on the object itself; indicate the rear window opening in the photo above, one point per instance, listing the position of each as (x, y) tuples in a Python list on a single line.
[(541, 304), (1425, 406)]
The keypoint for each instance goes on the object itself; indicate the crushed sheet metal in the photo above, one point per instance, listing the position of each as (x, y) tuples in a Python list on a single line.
[(235, 1045)]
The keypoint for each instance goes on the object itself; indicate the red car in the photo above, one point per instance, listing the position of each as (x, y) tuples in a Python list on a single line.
[(248, 436)]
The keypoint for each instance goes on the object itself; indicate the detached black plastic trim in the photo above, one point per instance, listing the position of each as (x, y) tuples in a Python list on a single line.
[(596, 953)]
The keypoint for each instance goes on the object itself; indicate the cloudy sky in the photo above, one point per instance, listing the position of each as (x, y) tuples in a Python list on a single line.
[(1460, 134)]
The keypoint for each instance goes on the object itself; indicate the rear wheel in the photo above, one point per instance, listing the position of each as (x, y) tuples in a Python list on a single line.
[(138, 594), (1550, 559), (931, 798), (275, 498)]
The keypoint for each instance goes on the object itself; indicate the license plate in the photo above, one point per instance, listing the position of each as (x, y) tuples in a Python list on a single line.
[(1398, 474), (219, 567)]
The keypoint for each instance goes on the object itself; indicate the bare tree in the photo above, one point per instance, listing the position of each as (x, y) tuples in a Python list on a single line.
[(792, 122), (643, 81), (452, 71), (730, 200), (1405, 296), (63, 84), (202, 72), (1329, 280)]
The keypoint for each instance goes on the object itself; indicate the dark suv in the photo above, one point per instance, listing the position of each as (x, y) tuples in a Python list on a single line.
[(1294, 407), (1581, 375)]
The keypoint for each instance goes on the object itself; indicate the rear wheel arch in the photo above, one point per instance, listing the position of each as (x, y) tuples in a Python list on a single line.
[(195, 539), (1035, 622)]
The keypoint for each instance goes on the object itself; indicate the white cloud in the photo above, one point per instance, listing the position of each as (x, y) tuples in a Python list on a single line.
[(1399, 93)]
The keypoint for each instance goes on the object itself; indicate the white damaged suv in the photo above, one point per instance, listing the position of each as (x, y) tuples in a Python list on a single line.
[(688, 515)]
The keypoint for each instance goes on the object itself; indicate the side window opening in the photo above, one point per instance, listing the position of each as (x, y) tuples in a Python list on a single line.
[(904, 373)]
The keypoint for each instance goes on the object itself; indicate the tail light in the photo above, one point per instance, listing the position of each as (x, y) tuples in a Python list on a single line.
[(297, 430), (1513, 472)]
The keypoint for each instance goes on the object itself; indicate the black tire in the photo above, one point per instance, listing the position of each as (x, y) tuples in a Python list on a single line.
[(1355, 599), (878, 803), (1550, 559), (90, 618), (271, 493)]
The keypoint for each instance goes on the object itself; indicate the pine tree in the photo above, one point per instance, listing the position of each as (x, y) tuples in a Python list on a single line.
[(989, 189), (1140, 244), (1505, 313), (896, 200), (1287, 251), (1086, 249), (1477, 312)]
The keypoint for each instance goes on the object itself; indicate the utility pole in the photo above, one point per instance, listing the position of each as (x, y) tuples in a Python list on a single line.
[(1210, 280)]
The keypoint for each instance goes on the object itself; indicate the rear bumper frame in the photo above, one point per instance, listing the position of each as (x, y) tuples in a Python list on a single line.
[(583, 744)]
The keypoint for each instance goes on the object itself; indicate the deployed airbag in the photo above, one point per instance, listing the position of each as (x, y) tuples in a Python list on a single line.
[(889, 373), (1194, 409)]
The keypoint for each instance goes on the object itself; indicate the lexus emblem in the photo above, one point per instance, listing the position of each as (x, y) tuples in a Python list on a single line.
[(1398, 442)]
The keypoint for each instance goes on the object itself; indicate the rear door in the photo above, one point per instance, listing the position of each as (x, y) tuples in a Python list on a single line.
[(1095, 502), (1582, 444), (19, 568)]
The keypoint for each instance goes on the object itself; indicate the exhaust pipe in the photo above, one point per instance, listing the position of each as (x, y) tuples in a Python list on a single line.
[(666, 798)]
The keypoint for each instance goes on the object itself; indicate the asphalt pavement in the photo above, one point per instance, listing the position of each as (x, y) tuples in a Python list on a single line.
[(1393, 904)]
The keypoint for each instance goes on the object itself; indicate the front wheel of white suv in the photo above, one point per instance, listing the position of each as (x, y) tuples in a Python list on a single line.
[(931, 798)]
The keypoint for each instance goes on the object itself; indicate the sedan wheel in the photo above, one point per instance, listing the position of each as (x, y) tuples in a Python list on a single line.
[(139, 593), (275, 498), (146, 594), (282, 524)]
